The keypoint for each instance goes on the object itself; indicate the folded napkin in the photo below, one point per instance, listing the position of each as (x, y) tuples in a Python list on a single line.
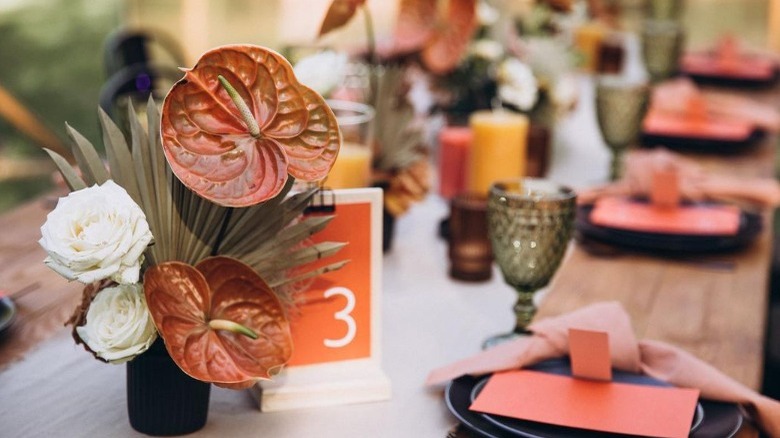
[(656, 359), (695, 183), (682, 98)]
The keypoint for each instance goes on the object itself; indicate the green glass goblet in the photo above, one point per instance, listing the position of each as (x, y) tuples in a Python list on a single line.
[(530, 223), (621, 106), (662, 43)]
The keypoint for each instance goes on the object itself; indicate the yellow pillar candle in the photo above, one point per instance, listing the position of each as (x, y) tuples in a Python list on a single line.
[(498, 148), (352, 168), (774, 25)]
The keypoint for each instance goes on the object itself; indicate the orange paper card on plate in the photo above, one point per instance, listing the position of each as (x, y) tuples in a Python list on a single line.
[(626, 214), (673, 125), (603, 406)]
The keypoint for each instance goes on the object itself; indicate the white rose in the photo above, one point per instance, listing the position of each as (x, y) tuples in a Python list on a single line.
[(96, 233), (517, 84), (119, 326), (322, 72), (487, 49)]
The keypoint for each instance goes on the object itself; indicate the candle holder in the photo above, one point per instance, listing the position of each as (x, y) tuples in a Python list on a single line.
[(470, 255), (353, 165)]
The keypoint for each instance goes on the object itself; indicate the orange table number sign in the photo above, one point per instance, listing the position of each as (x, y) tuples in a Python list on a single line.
[(336, 329)]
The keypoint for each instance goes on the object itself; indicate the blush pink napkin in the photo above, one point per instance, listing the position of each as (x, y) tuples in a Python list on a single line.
[(656, 359), (694, 183)]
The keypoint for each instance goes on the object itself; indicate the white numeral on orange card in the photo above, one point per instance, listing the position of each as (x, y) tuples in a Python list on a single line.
[(343, 315)]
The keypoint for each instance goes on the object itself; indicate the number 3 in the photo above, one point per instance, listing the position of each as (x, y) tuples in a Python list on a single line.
[(343, 315)]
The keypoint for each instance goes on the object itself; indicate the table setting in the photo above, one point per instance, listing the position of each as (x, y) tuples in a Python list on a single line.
[(486, 225)]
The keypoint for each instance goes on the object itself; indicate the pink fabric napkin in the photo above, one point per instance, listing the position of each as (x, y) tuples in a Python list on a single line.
[(695, 183), (682, 98), (656, 359)]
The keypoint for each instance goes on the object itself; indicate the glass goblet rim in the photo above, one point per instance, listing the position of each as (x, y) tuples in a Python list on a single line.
[(532, 190)]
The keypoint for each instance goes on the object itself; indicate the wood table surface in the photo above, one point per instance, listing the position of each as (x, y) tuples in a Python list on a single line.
[(713, 306)]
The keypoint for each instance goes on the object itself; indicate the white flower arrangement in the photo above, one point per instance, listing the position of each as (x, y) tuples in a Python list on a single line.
[(517, 84), (119, 326), (96, 233)]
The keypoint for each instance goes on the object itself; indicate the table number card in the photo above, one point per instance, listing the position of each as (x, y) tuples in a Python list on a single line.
[(336, 331)]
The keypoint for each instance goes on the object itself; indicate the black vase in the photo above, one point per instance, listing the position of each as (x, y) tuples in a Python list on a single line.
[(161, 399)]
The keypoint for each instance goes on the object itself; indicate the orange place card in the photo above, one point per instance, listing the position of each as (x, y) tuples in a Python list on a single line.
[(746, 67), (672, 125), (665, 188), (603, 406), (623, 213), (589, 352)]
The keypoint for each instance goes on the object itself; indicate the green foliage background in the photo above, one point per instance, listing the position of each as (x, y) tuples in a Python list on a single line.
[(51, 59)]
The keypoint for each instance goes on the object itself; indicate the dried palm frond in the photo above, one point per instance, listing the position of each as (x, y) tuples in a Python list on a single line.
[(188, 228)]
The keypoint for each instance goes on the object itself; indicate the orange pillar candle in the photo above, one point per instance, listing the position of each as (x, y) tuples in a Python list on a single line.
[(587, 39), (454, 145), (498, 149), (352, 168)]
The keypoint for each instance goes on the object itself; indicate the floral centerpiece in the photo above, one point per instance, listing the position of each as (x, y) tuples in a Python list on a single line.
[(189, 244)]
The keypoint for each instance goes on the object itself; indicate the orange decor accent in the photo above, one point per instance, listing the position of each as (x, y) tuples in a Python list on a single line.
[(237, 150), (334, 320), (184, 300)]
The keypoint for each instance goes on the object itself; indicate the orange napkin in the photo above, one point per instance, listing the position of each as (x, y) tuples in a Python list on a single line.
[(729, 60), (695, 184), (679, 102), (656, 359)]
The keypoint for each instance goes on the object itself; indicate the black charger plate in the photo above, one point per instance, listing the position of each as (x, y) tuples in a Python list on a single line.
[(721, 420), (704, 145), (7, 313), (750, 225)]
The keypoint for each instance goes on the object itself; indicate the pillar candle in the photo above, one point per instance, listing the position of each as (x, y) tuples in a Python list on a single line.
[(352, 168), (454, 145), (498, 148), (587, 39), (774, 25)]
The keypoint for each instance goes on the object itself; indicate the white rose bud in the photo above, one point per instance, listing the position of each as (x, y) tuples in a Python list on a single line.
[(96, 233), (119, 326)]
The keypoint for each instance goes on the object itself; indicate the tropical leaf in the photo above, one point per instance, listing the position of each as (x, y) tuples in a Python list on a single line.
[(339, 13)]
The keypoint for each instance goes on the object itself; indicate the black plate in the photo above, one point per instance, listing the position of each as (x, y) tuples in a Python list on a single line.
[(721, 420), (750, 225), (704, 145), (7, 313), (734, 82)]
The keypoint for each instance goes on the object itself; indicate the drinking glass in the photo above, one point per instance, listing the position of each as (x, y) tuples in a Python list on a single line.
[(621, 106), (530, 223), (353, 165), (662, 42)]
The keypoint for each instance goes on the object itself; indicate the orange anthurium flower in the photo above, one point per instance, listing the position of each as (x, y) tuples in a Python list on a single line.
[(442, 40), (220, 321), (239, 122)]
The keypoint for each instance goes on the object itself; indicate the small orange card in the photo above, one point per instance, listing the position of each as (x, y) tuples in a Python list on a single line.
[(673, 125), (603, 406), (589, 352), (623, 213), (665, 188)]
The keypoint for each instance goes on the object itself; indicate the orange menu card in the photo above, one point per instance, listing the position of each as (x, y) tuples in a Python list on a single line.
[(624, 213), (674, 125), (603, 406)]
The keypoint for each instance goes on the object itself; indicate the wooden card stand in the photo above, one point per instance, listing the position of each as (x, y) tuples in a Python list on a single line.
[(336, 329)]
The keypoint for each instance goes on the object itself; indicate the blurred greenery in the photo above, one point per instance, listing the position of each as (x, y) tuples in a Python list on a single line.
[(51, 59)]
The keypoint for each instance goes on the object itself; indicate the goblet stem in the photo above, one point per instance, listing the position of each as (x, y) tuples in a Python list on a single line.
[(616, 167), (524, 312)]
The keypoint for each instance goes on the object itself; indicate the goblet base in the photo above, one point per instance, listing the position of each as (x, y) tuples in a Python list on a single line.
[(500, 339)]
